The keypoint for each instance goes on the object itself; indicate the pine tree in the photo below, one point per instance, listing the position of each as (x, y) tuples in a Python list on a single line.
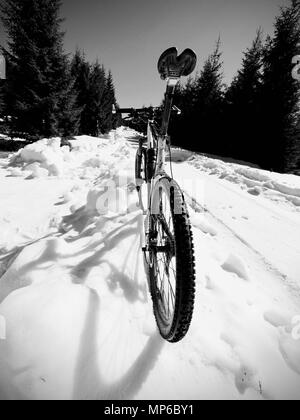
[(280, 92), (118, 121), (81, 72), (201, 100), (39, 78), (96, 97), (182, 125), (107, 120), (207, 102), (2, 108), (69, 116), (1, 99), (243, 105), (4, 115)]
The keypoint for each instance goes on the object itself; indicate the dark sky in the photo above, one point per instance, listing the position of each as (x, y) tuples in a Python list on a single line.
[(129, 35)]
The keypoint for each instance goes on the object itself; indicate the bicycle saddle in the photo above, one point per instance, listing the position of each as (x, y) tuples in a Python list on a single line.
[(174, 66)]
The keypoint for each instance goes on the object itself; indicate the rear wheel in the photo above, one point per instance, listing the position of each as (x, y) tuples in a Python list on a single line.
[(171, 264)]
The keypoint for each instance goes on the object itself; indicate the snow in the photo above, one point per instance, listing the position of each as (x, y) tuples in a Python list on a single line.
[(44, 157), (234, 264), (280, 188), (76, 317)]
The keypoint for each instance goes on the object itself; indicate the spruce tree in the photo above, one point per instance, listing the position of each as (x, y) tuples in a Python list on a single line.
[(69, 115), (181, 126), (1, 99), (208, 101), (39, 82), (280, 93), (107, 120), (96, 97), (81, 71), (243, 109), (2, 81), (200, 127)]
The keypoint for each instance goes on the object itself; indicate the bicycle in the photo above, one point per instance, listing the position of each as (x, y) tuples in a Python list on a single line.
[(169, 249)]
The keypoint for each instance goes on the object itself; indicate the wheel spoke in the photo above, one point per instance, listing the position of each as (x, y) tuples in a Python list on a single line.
[(170, 288), (165, 236), (166, 228)]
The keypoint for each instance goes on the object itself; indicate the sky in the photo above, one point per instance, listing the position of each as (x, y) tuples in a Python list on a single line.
[(128, 36)]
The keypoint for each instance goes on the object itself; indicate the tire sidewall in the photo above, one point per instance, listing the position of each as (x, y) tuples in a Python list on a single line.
[(166, 184)]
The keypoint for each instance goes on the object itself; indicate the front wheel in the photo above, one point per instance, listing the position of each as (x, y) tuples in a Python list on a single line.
[(171, 265), (140, 167)]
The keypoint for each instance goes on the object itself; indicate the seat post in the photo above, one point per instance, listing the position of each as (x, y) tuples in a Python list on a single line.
[(169, 96)]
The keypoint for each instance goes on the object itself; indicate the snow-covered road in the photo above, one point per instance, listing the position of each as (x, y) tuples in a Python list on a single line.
[(75, 314)]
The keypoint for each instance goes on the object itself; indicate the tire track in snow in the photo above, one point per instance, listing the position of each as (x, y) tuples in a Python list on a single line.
[(267, 265)]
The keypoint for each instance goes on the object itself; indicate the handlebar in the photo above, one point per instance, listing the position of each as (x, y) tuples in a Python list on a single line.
[(134, 110), (137, 111)]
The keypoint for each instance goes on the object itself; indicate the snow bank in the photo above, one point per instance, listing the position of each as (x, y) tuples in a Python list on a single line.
[(258, 182), (47, 158), (42, 158)]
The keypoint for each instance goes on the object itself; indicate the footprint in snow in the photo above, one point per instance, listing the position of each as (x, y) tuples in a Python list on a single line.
[(255, 191), (210, 284), (245, 376), (243, 380), (235, 265), (199, 222)]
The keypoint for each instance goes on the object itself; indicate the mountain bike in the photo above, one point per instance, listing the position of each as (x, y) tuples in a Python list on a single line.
[(169, 249)]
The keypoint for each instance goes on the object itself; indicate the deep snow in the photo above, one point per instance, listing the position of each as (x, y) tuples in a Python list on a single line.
[(75, 314)]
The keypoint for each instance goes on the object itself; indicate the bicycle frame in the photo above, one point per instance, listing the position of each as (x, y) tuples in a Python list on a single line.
[(162, 140), (159, 143), (163, 135), (156, 141)]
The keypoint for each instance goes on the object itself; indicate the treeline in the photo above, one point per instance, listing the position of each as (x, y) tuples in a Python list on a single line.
[(255, 119), (95, 96), (46, 92)]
